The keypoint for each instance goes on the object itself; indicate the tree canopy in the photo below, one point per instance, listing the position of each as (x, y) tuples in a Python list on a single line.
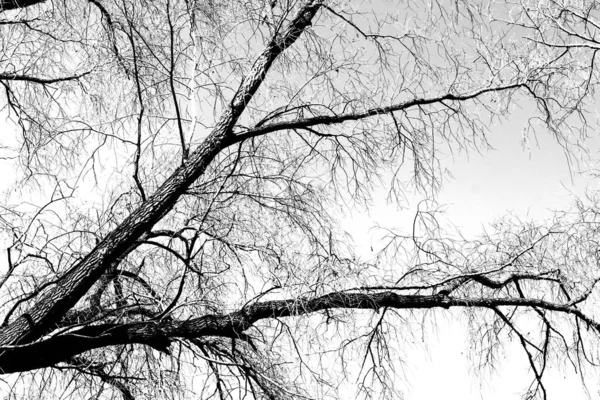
[(182, 168)]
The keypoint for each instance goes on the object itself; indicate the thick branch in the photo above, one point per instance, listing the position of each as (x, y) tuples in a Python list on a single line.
[(6, 5), (33, 79), (159, 334), (56, 302)]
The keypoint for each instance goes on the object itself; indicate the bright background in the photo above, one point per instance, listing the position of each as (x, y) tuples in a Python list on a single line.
[(527, 179)]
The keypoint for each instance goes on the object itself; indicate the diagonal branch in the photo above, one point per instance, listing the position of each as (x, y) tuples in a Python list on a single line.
[(55, 302), (304, 123), (43, 81), (6, 5), (99, 370)]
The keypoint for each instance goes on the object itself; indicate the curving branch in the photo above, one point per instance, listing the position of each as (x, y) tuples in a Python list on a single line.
[(159, 334)]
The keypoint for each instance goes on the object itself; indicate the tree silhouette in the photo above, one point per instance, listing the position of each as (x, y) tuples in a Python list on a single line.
[(183, 167)]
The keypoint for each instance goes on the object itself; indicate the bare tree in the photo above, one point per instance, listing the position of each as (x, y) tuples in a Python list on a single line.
[(183, 166)]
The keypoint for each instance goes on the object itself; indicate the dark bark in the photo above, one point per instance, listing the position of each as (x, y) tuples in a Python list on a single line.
[(56, 302), (159, 334), (9, 77), (6, 5), (263, 127)]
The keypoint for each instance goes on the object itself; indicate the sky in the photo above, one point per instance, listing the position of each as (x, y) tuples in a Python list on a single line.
[(526, 180)]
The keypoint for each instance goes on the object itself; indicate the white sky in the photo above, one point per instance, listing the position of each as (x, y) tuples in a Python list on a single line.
[(528, 182)]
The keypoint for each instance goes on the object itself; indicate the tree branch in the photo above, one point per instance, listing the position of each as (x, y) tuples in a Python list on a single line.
[(53, 305), (6, 5), (33, 79), (159, 334), (304, 123), (98, 370)]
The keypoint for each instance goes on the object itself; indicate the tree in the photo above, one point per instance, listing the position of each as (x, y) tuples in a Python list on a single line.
[(183, 166)]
